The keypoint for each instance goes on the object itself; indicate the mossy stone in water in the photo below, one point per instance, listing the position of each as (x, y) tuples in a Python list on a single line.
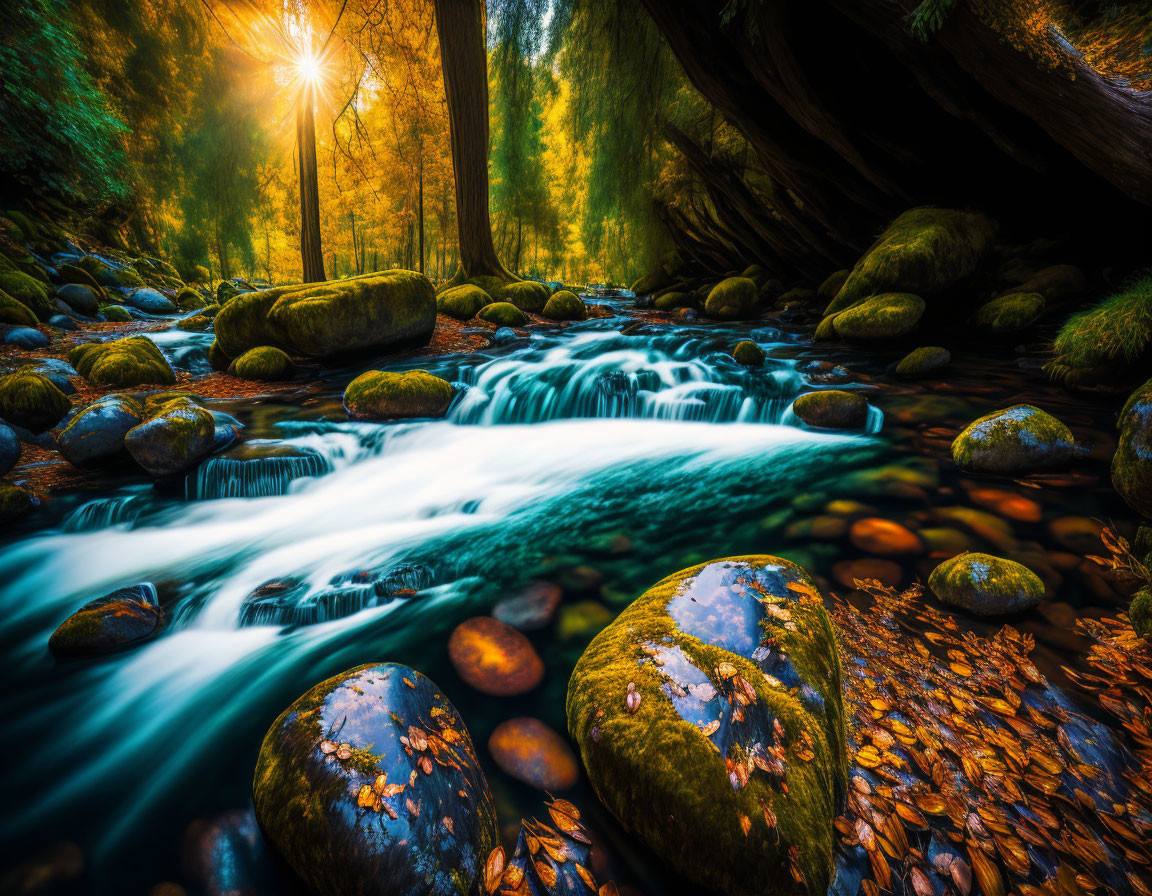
[(748, 354), (200, 321), (886, 316), (1132, 462), (121, 619), (15, 312), (1140, 612), (1019, 439), (462, 302), (380, 395), (986, 585), (923, 361), (923, 251), (734, 298), (189, 299), (826, 329), (832, 409), (565, 305), (1012, 312), (265, 363), (177, 438), (31, 400), (15, 503), (116, 313), (503, 314), (674, 299), (527, 295), (698, 702), (338, 770), (217, 360), (120, 363), (28, 291), (96, 433)]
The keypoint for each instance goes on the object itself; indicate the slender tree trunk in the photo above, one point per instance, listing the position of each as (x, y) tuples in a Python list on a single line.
[(355, 251), (420, 181), (311, 254), (519, 239), (460, 26)]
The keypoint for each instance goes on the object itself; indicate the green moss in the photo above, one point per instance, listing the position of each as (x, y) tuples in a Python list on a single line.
[(200, 321), (32, 401), (15, 502), (527, 295), (735, 298), (71, 273), (462, 302), (923, 251), (826, 329), (1060, 281), (923, 361), (116, 313), (832, 409), (986, 585), (380, 395), (1132, 462), (174, 439), (1115, 335), (122, 362), (28, 291), (1019, 439), (1140, 612), (15, 312), (503, 314), (886, 316), (832, 284), (189, 299), (565, 305), (264, 363), (1011, 312), (650, 282), (674, 299), (226, 291), (748, 354)]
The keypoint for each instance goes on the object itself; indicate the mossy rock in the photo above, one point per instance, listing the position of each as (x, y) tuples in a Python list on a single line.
[(652, 705), (924, 251), (923, 361), (15, 312), (264, 363), (15, 503), (1012, 312), (527, 295), (116, 313), (382, 396), (1132, 462), (200, 321), (226, 291), (189, 299), (95, 434), (31, 400), (986, 585), (1055, 283), (565, 305), (886, 316), (756, 274), (173, 441), (650, 282), (748, 354), (217, 360), (832, 284), (72, 273), (133, 361), (1019, 439), (826, 329), (126, 617), (462, 302), (29, 292), (503, 314), (670, 301), (385, 310), (109, 275), (832, 409), (734, 298), (1140, 612)]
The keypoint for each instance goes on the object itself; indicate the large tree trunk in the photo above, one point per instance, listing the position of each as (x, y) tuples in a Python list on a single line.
[(311, 254), (460, 26)]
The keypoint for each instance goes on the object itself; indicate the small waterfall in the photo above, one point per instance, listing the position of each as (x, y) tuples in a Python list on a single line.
[(255, 470), (105, 512)]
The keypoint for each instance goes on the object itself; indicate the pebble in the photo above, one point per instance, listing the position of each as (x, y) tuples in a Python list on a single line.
[(534, 753), (494, 658), (887, 538)]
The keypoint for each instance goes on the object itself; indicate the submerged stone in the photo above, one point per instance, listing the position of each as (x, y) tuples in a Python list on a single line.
[(885, 538), (530, 751), (531, 609), (1132, 462), (96, 433), (225, 855), (369, 784), (117, 620), (494, 658), (710, 722), (832, 409), (986, 585), (1019, 439), (256, 469)]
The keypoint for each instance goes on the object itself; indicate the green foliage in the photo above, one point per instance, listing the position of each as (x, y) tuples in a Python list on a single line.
[(928, 18), (1115, 333)]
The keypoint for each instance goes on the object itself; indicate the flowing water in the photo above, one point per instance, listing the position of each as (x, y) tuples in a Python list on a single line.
[(601, 457)]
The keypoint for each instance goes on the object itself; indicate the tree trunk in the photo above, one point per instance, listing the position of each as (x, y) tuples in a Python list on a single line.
[(420, 203), (311, 254), (355, 253), (460, 26)]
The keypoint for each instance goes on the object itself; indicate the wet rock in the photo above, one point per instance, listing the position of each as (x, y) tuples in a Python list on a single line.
[(1140, 612), (15, 503), (504, 336), (80, 298), (1007, 504), (670, 301), (116, 314), (1132, 462), (565, 305), (1019, 439), (200, 321), (256, 469), (1055, 283), (28, 291), (832, 284), (530, 751), (494, 658), (25, 337), (734, 298), (986, 585), (381, 396), (31, 400), (530, 610), (10, 448), (563, 868), (63, 322), (885, 316), (225, 855), (687, 314), (527, 295), (923, 362), (189, 299), (691, 711), (121, 619), (150, 301), (504, 314), (884, 571), (369, 784), (122, 363), (886, 538), (14, 312), (96, 433), (748, 354), (1010, 313), (462, 302), (832, 409), (175, 439), (264, 363), (986, 525)]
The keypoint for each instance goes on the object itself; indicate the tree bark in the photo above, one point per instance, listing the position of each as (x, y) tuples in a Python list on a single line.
[(311, 253), (420, 181)]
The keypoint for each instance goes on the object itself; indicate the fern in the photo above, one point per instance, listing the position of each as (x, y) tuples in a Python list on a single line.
[(928, 18)]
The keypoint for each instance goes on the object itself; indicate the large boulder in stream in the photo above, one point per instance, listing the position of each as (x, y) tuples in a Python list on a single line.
[(265, 363), (150, 301), (95, 434), (31, 400), (1016, 440), (176, 438), (122, 363), (710, 722), (886, 316), (832, 409), (380, 395), (121, 619), (369, 784), (463, 301), (565, 305), (1132, 462), (735, 298), (389, 309)]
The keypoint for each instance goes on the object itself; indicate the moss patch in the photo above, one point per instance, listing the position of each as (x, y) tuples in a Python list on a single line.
[(734, 298), (28, 291), (462, 302), (265, 363), (565, 305), (986, 585), (832, 409), (15, 312), (674, 299), (503, 314), (32, 401), (886, 316), (1019, 439), (1011, 312), (134, 361), (748, 354), (380, 395), (923, 361)]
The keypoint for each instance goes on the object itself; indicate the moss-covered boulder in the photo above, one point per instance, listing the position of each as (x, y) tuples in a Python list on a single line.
[(116, 313), (134, 361), (503, 314), (107, 274), (217, 360), (15, 503), (1019, 439), (383, 310), (1055, 283), (924, 251), (826, 329), (1140, 612), (832, 409), (527, 295), (95, 434), (1012, 312), (565, 305), (886, 316), (369, 784), (379, 395), (200, 321), (922, 362), (710, 722), (226, 291), (264, 363), (32, 400), (28, 291), (189, 299), (734, 298), (126, 617), (15, 312), (1132, 462), (832, 283), (72, 273), (462, 302), (172, 441), (748, 354), (674, 299), (986, 585), (80, 298), (650, 282)]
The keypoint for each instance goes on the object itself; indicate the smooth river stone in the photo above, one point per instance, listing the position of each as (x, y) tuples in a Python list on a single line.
[(531, 752), (125, 617), (885, 538), (494, 658)]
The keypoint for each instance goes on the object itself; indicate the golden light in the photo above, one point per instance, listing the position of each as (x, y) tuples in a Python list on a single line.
[(308, 67)]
